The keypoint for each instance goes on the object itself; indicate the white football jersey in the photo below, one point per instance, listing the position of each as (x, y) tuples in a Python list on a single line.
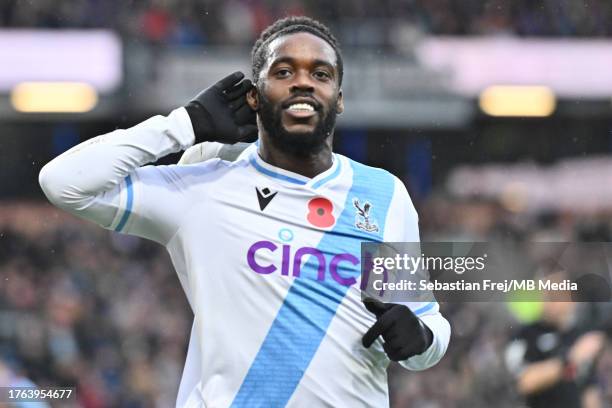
[(269, 260)]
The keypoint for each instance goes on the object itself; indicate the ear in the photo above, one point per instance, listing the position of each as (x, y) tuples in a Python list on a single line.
[(340, 102), (252, 98)]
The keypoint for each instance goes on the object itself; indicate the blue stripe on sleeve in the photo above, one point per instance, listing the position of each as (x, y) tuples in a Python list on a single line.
[(128, 206), (310, 305), (424, 309)]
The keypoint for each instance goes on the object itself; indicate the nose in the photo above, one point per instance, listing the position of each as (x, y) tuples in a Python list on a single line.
[(302, 82)]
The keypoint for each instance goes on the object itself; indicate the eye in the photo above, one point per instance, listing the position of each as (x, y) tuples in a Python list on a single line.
[(282, 73), (322, 75)]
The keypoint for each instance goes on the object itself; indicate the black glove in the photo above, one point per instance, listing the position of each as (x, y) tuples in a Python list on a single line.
[(405, 335), (220, 113)]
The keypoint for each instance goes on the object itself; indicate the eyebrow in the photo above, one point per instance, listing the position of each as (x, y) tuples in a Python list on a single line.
[(291, 60)]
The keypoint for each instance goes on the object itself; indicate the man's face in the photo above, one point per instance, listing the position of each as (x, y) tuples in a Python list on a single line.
[(298, 94)]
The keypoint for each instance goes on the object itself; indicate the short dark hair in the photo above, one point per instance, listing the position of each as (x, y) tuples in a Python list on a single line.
[(290, 25)]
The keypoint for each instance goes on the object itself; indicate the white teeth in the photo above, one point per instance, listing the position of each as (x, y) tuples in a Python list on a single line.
[(301, 107)]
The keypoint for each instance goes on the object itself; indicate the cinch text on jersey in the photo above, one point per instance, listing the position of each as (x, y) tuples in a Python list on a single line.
[(289, 268)]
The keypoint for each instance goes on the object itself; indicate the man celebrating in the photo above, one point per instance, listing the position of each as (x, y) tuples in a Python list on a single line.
[(267, 247)]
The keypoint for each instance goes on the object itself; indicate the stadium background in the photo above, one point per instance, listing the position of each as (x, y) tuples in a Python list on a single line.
[(86, 307)]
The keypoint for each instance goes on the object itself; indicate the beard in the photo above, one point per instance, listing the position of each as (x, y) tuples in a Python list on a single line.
[(300, 144)]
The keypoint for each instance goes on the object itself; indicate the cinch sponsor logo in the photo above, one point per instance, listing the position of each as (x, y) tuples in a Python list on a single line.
[(292, 260)]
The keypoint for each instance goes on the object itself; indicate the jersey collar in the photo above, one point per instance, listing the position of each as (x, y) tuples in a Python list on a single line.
[(293, 178)]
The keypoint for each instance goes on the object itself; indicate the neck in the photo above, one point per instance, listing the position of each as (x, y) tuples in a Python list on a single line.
[(309, 165)]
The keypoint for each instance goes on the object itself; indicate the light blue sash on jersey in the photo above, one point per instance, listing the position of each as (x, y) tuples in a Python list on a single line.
[(310, 305)]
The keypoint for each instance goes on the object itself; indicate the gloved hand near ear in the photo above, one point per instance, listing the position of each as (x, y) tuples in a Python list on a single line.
[(220, 113), (404, 334)]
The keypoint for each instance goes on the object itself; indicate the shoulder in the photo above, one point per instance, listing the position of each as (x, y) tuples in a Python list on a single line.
[(185, 174), (208, 150), (376, 176), (529, 331), (364, 168), (373, 176)]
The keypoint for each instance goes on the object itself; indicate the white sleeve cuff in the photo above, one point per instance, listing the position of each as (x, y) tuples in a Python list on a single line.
[(441, 331), (182, 128)]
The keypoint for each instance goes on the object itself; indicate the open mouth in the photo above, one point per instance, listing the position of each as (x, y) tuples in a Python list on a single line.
[(301, 110)]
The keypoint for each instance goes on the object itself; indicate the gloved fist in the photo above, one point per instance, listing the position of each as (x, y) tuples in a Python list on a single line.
[(220, 113), (405, 335)]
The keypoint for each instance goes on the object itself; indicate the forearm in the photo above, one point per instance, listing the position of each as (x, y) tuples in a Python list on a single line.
[(441, 330), (540, 376), (81, 179)]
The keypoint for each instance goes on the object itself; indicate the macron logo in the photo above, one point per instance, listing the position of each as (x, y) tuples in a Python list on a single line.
[(264, 196)]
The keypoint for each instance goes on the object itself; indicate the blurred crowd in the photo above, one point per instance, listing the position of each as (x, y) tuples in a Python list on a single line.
[(356, 22), (84, 307), (475, 373)]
